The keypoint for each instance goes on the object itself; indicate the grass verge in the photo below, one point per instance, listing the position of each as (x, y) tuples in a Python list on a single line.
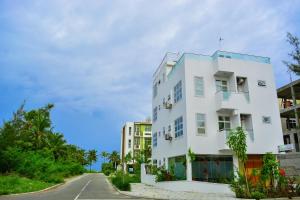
[(12, 184)]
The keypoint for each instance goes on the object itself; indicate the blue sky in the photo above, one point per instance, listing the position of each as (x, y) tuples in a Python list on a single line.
[(95, 59)]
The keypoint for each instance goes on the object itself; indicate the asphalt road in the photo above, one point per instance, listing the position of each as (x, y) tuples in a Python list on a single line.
[(89, 186)]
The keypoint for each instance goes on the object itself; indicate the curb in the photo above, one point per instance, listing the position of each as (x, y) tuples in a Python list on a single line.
[(68, 180), (128, 195)]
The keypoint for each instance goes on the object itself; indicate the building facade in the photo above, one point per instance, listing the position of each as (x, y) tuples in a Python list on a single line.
[(289, 100), (135, 137), (197, 99)]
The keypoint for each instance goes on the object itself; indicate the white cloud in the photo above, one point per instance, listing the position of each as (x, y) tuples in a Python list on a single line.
[(101, 55)]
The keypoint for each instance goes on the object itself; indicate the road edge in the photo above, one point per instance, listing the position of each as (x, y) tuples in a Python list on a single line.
[(125, 192), (66, 181)]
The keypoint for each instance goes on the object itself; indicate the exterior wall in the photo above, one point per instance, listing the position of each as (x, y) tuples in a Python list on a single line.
[(126, 136), (291, 163), (262, 102), (166, 117)]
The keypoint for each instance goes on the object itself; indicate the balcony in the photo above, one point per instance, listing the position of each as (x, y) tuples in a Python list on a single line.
[(228, 101), (223, 135), (224, 61), (222, 139)]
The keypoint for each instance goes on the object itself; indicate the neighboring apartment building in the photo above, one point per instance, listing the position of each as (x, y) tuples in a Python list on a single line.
[(197, 99), (135, 136), (289, 99)]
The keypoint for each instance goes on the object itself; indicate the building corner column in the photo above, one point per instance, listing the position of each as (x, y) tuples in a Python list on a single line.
[(188, 169)]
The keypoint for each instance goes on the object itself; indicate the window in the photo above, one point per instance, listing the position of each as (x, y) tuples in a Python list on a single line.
[(221, 85), (177, 92), (266, 119), (291, 123), (261, 83), (155, 162), (200, 121), (148, 128), (155, 90), (164, 130), (224, 123), (199, 86), (178, 127), (129, 130), (169, 128), (155, 114), (154, 139), (136, 141), (129, 143), (147, 142)]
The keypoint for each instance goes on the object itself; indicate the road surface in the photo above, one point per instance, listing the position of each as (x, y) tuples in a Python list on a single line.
[(89, 186)]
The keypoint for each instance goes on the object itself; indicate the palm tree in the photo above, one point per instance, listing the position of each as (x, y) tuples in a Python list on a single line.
[(295, 55), (114, 158), (92, 157), (56, 144), (104, 155)]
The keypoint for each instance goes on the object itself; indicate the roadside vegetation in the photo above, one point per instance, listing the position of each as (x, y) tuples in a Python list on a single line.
[(118, 172), (268, 182), (33, 156)]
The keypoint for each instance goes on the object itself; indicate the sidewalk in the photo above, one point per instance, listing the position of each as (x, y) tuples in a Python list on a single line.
[(147, 191)]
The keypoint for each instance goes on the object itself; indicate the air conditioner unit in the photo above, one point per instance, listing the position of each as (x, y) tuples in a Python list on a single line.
[(167, 105), (168, 137)]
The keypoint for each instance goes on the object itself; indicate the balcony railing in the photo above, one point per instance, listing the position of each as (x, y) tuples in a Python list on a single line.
[(231, 100), (224, 134)]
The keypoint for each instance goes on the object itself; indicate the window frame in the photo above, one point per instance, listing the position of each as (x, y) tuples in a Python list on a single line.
[(196, 80), (177, 91), (224, 121), (154, 139), (197, 120), (178, 127)]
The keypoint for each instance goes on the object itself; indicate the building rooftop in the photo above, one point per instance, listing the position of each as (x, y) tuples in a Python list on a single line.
[(285, 91), (175, 57)]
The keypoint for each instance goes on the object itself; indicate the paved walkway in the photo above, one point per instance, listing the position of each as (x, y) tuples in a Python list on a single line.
[(142, 190), (88, 186)]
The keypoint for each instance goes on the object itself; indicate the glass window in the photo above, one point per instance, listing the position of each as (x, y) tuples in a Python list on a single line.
[(154, 139), (199, 86), (129, 130), (178, 127), (224, 123), (129, 143), (200, 123), (155, 90), (291, 123), (148, 128), (221, 85), (155, 114), (177, 92)]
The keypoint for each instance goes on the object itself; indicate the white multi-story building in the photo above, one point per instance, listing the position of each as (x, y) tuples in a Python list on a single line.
[(135, 137), (197, 99)]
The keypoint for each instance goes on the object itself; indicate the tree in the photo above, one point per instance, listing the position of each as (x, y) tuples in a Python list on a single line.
[(104, 155), (237, 143), (270, 169), (295, 54), (92, 157), (114, 158), (56, 144)]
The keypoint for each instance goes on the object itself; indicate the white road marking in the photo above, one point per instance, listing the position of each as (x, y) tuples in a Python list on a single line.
[(82, 189)]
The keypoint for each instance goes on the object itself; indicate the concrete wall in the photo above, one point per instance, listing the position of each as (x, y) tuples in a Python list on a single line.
[(291, 163)]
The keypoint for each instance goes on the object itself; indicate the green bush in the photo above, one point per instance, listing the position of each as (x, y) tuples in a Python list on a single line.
[(107, 168), (42, 166), (257, 195), (121, 181), (15, 184)]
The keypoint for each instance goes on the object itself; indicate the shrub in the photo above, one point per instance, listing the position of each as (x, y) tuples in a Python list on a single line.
[(107, 168), (121, 181), (257, 195), (163, 175)]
